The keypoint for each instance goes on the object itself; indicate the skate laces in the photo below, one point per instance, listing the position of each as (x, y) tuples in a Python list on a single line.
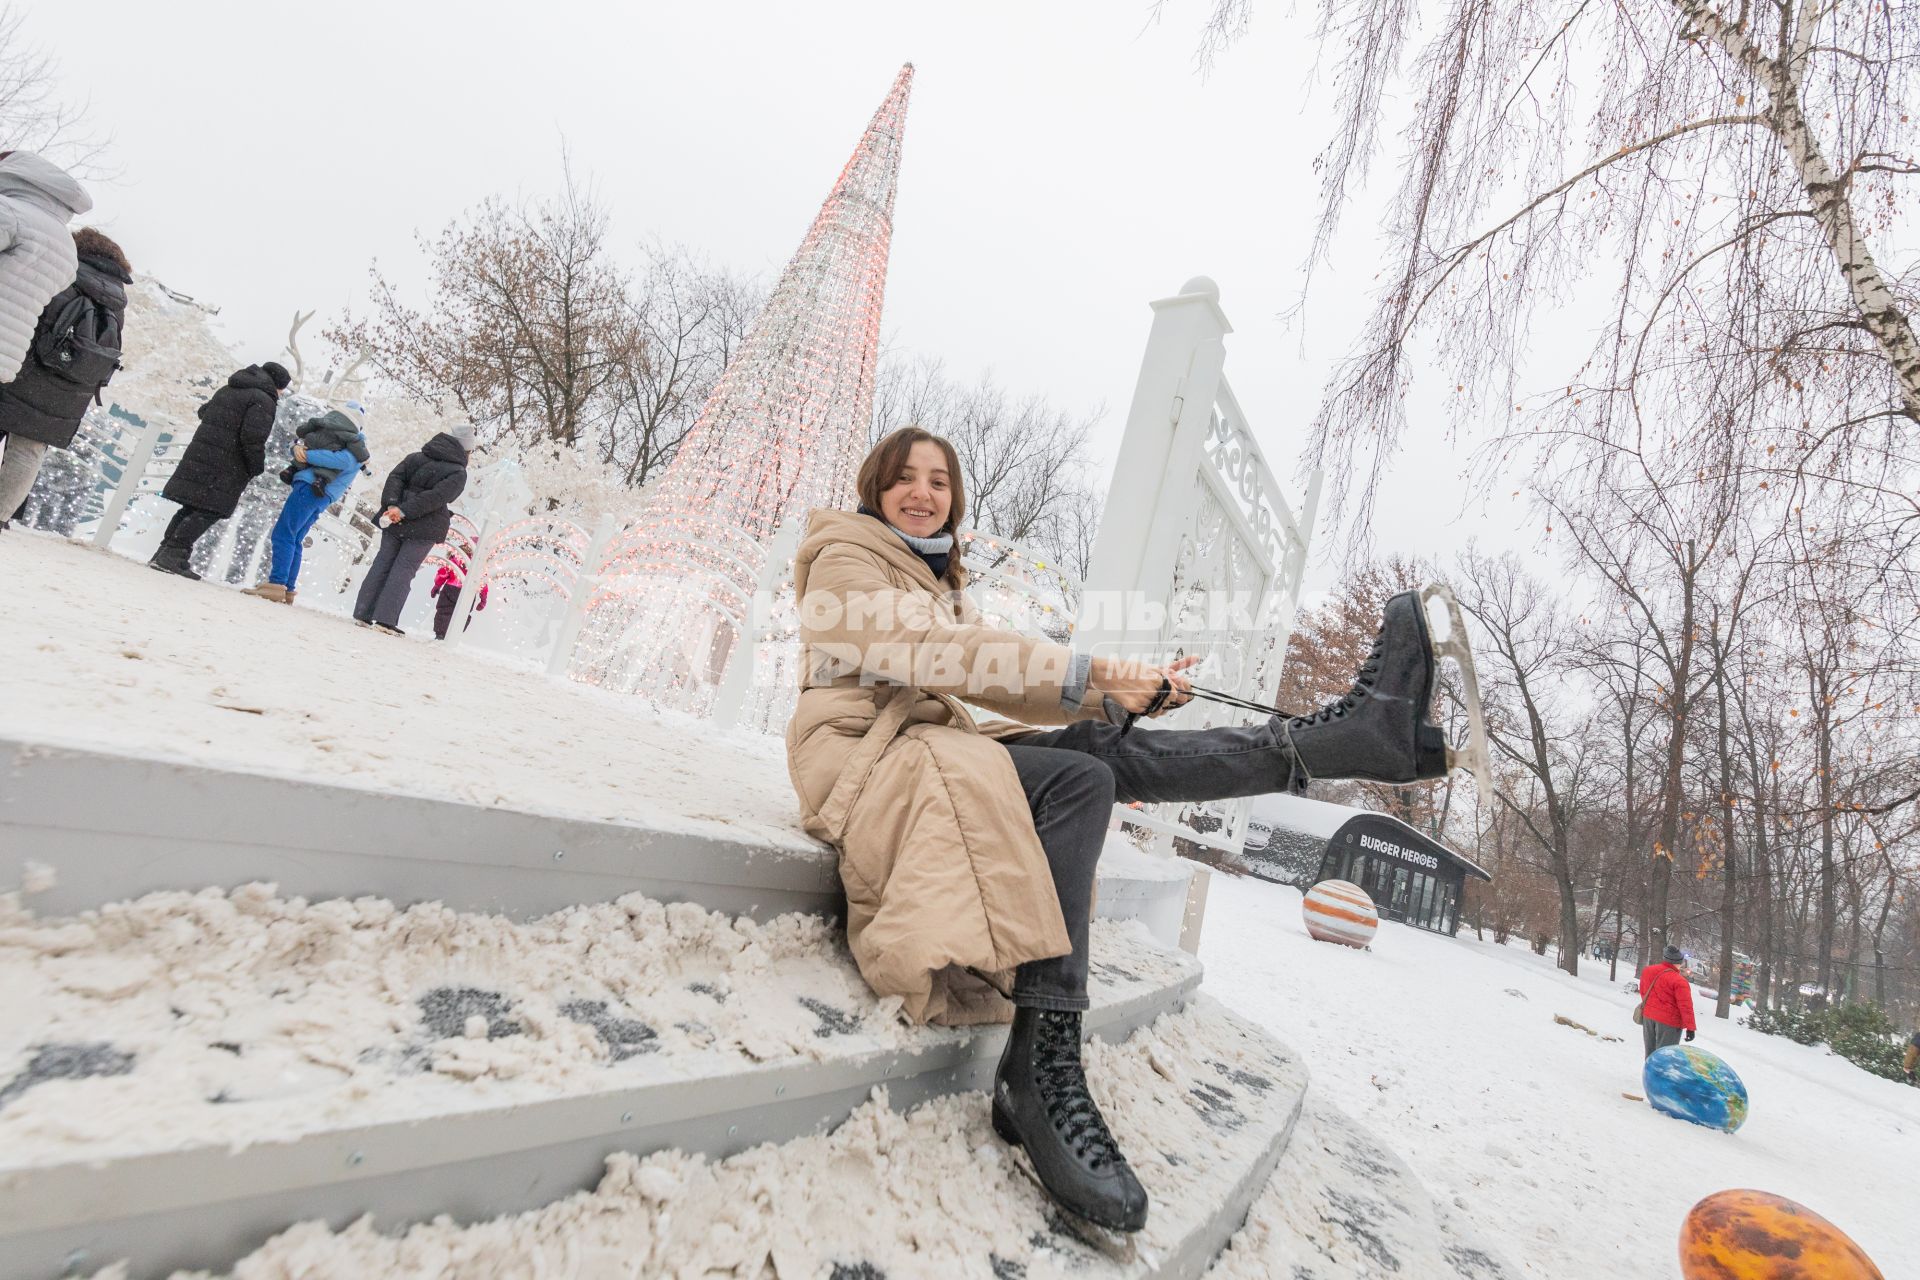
[(1063, 1088), (1363, 682)]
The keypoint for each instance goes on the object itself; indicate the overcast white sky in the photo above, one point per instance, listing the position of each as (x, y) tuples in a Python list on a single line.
[(1064, 164)]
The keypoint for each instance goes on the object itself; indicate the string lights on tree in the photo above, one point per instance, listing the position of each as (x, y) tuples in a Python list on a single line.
[(783, 432)]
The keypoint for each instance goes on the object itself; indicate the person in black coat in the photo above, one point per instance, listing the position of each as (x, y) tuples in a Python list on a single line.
[(414, 510), (228, 449), (74, 351)]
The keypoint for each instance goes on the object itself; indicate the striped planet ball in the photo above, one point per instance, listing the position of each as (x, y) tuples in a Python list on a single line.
[(1340, 911)]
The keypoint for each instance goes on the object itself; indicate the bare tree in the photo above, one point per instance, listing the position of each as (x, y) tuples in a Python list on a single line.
[(687, 320), (1720, 167), (1532, 719), (34, 114), (527, 327)]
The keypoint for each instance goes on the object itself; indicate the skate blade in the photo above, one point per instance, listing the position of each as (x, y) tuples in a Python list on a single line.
[(1116, 1246), (1472, 754)]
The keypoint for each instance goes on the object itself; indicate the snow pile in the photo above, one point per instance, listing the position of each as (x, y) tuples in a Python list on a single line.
[(173, 358), (180, 1019), (1122, 859), (931, 1192), (120, 658), (1449, 1049)]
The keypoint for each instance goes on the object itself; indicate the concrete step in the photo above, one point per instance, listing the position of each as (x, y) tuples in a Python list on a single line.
[(114, 826), (177, 1120), (1202, 1102)]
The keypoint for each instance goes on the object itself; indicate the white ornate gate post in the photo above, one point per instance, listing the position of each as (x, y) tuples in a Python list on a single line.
[(1133, 556), (505, 491), (731, 696), (139, 457), (584, 585)]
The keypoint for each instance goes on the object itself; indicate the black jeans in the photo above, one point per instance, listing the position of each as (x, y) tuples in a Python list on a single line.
[(187, 527), (383, 593), (1073, 776)]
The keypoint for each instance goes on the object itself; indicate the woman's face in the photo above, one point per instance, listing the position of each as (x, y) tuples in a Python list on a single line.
[(921, 495)]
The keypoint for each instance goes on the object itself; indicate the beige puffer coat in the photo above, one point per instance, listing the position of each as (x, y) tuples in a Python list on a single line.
[(946, 881), (37, 258)]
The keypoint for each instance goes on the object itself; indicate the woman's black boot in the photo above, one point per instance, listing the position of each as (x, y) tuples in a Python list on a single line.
[(1041, 1103), (1379, 731)]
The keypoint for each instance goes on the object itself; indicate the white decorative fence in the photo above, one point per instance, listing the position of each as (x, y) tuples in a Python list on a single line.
[(1199, 552)]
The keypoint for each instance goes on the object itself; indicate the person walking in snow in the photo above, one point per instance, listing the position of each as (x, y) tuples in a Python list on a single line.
[(228, 449), (967, 851), (414, 511), (1666, 1001), (306, 500), (446, 593), (1910, 1060)]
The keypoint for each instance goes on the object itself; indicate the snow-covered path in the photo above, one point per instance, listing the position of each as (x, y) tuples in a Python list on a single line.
[(1449, 1050), (99, 651)]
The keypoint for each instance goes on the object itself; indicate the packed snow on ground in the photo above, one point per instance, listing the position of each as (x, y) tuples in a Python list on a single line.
[(100, 652), (1448, 1048)]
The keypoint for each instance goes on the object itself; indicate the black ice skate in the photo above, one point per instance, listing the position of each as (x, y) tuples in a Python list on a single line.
[(1041, 1104), (1379, 730)]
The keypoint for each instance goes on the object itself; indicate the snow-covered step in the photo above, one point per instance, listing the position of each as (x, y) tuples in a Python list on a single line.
[(1202, 1102), (182, 1075), (1143, 886), (1341, 1206), (111, 826)]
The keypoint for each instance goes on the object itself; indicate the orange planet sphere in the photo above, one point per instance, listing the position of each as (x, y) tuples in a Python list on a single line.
[(1751, 1235), (1339, 911)]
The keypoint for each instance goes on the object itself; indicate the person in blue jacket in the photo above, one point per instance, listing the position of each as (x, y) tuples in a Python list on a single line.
[(312, 493)]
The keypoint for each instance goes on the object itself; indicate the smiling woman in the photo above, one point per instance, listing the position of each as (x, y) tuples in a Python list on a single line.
[(968, 851)]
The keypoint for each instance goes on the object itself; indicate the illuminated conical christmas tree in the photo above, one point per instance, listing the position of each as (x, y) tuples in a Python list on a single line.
[(783, 432)]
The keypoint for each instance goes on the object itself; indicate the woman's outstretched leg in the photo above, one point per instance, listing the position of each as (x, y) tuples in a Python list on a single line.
[(1156, 765), (1040, 1097), (1378, 731)]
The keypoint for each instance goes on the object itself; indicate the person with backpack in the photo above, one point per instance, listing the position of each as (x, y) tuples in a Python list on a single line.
[(73, 352), (306, 501), (228, 449), (1666, 1001), (415, 519), (37, 257)]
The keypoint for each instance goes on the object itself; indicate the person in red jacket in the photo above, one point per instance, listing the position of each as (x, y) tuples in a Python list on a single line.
[(1666, 1001)]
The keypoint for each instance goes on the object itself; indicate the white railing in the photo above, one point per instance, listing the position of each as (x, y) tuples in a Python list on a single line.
[(1198, 552), (116, 456)]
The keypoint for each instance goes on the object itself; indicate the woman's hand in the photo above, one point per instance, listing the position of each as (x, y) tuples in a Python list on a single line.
[(1134, 684), (300, 453), (394, 515)]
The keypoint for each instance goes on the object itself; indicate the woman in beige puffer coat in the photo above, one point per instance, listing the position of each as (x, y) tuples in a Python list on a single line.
[(968, 851)]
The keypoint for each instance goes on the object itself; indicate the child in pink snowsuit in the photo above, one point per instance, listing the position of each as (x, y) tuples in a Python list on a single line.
[(446, 594)]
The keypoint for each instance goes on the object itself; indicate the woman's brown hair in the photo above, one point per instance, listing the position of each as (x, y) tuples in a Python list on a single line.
[(92, 242), (889, 458)]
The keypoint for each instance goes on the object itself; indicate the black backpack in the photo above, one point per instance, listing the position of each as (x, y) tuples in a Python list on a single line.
[(82, 345)]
